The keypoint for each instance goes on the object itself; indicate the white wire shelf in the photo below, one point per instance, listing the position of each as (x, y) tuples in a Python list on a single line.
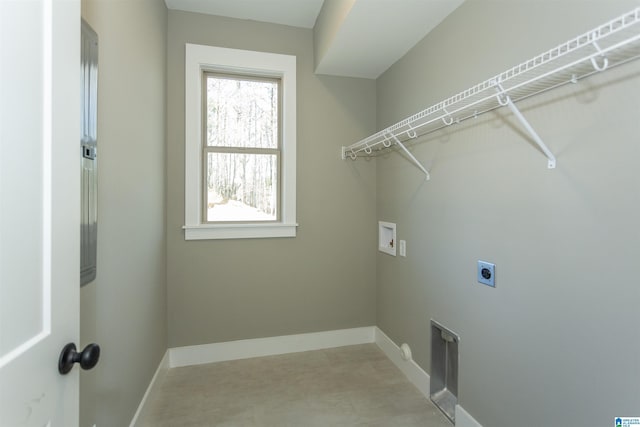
[(613, 43)]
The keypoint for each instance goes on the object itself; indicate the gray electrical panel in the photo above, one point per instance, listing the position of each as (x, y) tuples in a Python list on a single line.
[(89, 154)]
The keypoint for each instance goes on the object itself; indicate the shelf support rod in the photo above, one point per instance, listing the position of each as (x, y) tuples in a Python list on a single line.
[(505, 100), (408, 153)]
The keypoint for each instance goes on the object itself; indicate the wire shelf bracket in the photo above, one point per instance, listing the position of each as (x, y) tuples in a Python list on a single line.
[(505, 100), (412, 157), (346, 153), (613, 43)]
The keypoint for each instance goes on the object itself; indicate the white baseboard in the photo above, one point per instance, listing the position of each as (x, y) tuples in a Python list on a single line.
[(463, 419), (411, 369), (417, 375), (259, 347), (159, 375)]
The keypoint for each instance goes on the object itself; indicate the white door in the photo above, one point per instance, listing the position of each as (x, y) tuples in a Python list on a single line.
[(39, 209)]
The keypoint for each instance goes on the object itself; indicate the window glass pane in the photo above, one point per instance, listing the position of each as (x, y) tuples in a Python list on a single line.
[(241, 187), (242, 112)]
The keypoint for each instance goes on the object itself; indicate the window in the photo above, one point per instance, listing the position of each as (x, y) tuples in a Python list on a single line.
[(241, 148), (240, 144)]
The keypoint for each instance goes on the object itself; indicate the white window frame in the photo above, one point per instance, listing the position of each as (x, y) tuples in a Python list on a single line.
[(199, 58)]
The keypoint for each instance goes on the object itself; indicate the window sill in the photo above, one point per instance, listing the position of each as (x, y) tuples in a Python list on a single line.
[(238, 231)]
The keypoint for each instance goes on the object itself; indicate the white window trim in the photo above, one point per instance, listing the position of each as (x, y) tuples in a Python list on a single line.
[(210, 58)]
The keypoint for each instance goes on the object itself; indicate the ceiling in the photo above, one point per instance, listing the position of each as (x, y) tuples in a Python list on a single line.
[(370, 38), (296, 13)]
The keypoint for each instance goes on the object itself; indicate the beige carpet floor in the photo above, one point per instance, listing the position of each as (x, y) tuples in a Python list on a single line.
[(345, 386)]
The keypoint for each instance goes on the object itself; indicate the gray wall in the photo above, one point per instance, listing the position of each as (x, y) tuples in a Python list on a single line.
[(557, 342), (323, 279), (124, 310)]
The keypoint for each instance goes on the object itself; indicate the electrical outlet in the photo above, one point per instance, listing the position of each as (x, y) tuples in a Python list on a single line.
[(487, 273)]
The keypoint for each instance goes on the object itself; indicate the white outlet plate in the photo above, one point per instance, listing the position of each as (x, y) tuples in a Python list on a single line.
[(487, 273), (403, 247)]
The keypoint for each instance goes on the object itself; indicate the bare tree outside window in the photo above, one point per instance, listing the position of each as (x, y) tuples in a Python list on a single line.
[(241, 148)]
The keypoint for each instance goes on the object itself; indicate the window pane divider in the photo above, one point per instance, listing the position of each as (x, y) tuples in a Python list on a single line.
[(241, 150)]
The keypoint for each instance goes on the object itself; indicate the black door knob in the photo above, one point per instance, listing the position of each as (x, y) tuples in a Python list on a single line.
[(88, 358)]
